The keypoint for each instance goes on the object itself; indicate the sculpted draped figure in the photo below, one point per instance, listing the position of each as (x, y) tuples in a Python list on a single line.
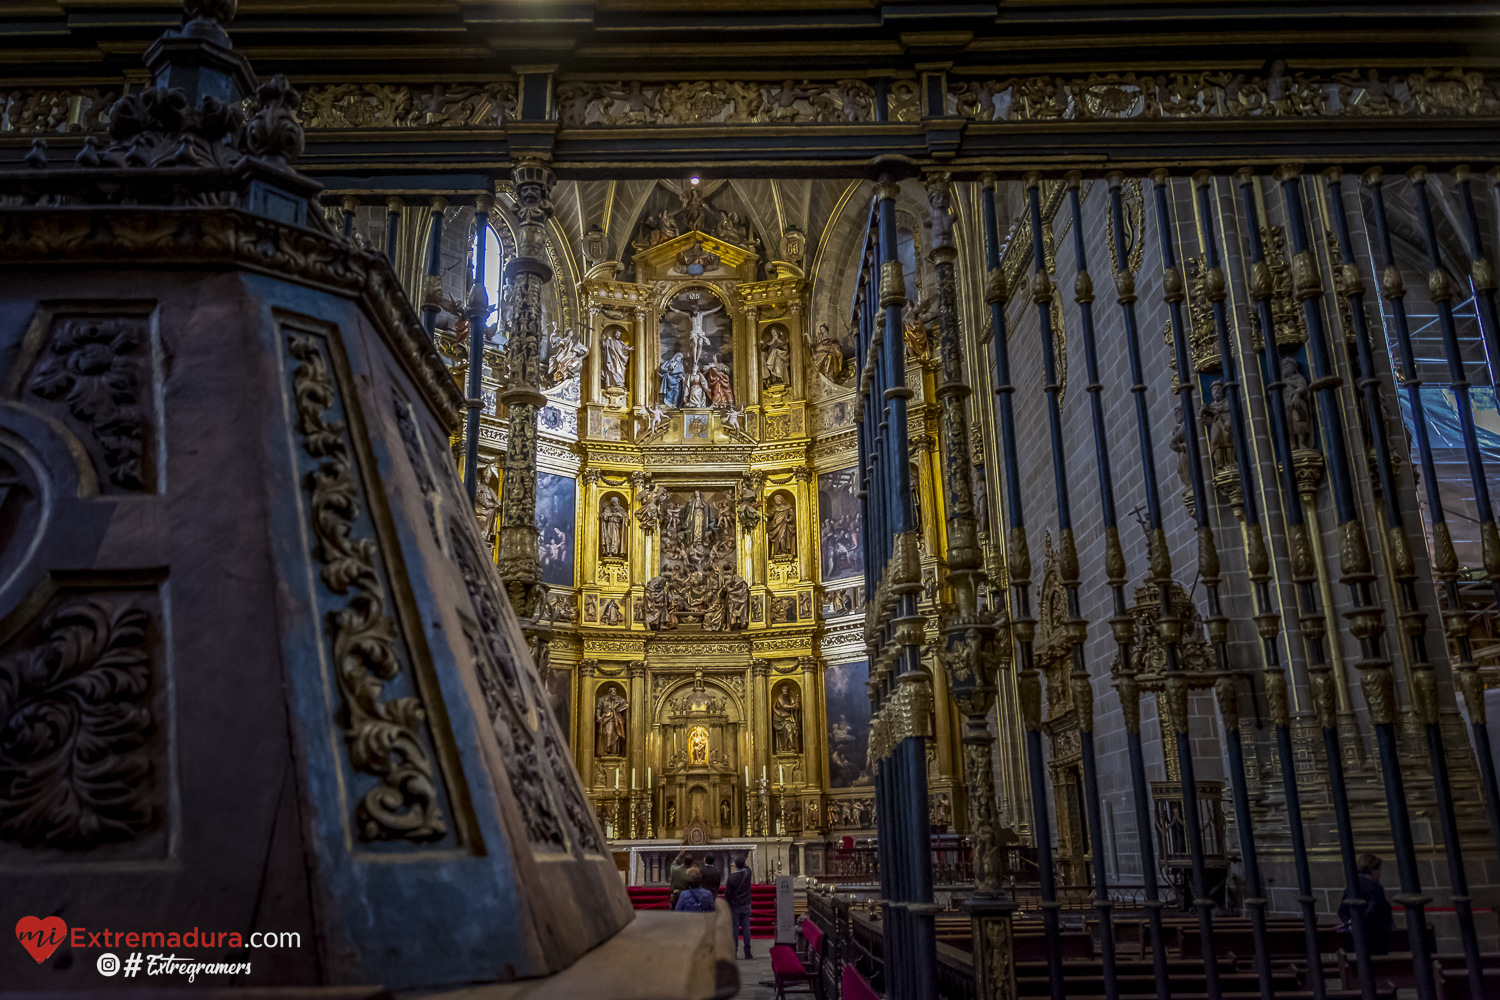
[(781, 528), (776, 357), (609, 724), (612, 529), (1298, 397), (698, 519), (720, 383), (672, 373), (616, 360), (1216, 426), (786, 719), (828, 353)]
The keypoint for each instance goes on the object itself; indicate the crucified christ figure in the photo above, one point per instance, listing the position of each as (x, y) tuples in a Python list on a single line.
[(698, 336)]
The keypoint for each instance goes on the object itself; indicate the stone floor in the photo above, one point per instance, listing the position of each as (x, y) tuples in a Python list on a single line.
[(754, 971)]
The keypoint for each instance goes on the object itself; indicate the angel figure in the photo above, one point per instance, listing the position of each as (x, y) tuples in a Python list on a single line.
[(783, 101), (656, 416), (732, 416), (692, 206)]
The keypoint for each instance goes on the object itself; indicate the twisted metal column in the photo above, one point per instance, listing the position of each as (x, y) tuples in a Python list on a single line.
[(1022, 624), (1159, 572), (1366, 616), (1176, 695), (1080, 686)]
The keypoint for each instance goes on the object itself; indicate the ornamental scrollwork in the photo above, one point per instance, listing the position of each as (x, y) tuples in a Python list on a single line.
[(375, 105), (75, 725), (384, 738)]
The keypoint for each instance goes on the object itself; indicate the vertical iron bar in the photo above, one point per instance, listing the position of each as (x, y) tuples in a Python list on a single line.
[(432, 290), (1079, 683), (1258, 565), (1023, 625), (1175, 696), (903, 576), (392, 228), (1160, 571), (1482, 281), (479, 311), (1311, 625), (1365, 617)]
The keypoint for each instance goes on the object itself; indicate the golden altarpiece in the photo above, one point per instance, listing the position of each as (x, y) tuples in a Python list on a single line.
[(698, 531)]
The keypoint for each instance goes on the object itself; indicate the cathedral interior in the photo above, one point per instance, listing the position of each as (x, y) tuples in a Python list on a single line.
[(1014, 475)]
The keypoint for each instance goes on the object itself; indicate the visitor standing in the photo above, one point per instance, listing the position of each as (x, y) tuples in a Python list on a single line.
[(712, 877), (737, 895), (1380, 923), (677, 878)]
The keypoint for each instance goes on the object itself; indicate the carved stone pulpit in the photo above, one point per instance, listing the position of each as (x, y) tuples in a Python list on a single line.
[(257, 670)]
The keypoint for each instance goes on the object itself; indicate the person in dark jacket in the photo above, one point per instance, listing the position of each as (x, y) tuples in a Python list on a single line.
[(712, 877), (1380, 923), (695, 898), (737, 896), (677, 877)]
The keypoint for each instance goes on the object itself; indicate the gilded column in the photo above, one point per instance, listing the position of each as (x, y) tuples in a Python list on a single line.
[(518, 559), (585, 713), (640, 360), (637, 751), (760, 720), (752, 356)]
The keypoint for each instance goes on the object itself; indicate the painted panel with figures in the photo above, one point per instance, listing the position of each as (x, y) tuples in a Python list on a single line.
[(842, 524), (556, 499), (848, 706)]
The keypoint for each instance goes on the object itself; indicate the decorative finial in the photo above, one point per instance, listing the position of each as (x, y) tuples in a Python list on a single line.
[(88, 156), (274, 132), (37, 158), (219, 11)]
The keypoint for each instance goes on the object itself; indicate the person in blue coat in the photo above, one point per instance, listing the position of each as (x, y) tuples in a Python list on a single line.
[(695, 898)]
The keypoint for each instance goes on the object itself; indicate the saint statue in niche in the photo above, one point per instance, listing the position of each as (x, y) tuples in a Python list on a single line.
[(1216, 426), (776, 357), (1298, 399), (698, 746), (786, 719), (698, 520), (828, 353), (723, 812), (672, 373), (720, 383), (612, 529), (616, 359), (781, 527), (671, 814), (609, 723), (566, 357)]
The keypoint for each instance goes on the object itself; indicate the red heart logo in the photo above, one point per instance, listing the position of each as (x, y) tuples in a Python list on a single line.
[(41, 937)]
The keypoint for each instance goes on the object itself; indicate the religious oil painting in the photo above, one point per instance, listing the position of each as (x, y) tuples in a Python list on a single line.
[(848, 723), (696, 366), (842, 528), (556, 498)]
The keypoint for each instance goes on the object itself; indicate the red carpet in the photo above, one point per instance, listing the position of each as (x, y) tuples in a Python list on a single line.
[(762, 905)]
